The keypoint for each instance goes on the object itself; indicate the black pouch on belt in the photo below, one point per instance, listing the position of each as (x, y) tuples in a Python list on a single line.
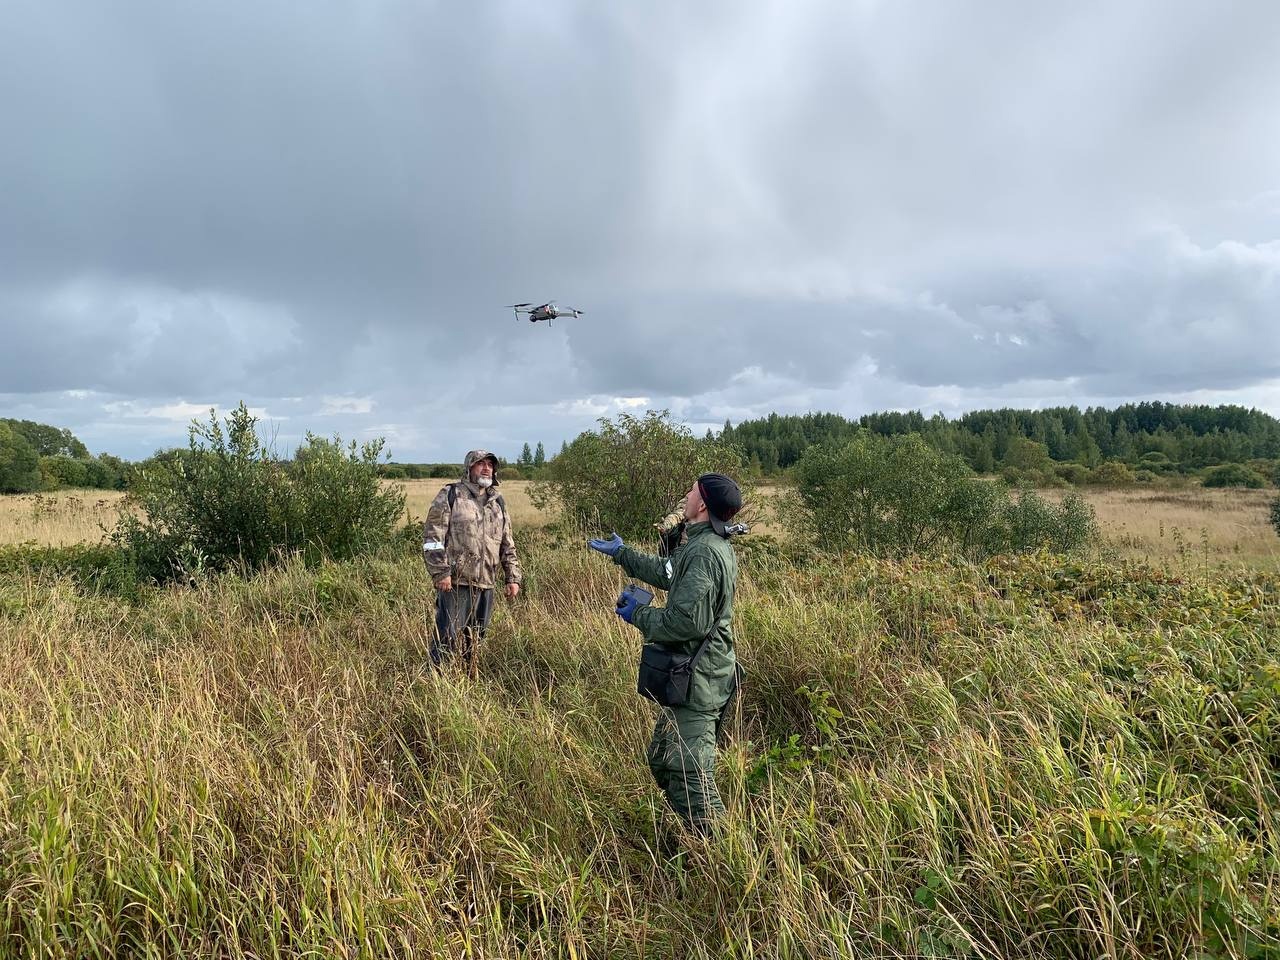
[(665, 676)]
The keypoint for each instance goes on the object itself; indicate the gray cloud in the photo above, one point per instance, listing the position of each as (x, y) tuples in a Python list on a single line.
[(801, 206)]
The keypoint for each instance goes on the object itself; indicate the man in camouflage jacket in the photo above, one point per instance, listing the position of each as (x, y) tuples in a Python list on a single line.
[(465, 539), (700, 577)]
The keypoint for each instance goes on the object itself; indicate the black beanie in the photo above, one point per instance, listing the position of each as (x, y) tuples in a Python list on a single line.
[(722, 497)]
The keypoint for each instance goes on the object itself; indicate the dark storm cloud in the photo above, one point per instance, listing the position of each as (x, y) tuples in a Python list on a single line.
[(808, 205)]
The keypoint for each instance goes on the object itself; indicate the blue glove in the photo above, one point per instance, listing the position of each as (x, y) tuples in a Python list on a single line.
[(628, 604), (608, 547)]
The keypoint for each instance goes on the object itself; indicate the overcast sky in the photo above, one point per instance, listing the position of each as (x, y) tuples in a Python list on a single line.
[(321, 209)]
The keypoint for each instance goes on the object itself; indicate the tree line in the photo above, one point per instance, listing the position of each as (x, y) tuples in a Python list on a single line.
[(36, 456), (1133, 442), (1151, 437)]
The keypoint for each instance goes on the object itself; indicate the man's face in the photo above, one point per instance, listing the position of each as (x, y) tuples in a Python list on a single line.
[(481, 468), (693, 505)]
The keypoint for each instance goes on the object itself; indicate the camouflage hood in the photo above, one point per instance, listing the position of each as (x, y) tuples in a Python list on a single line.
[(474, 457)]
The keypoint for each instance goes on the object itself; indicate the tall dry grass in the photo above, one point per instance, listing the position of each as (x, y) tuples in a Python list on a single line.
[(1026, 759), (1195, 523), (59, 518)]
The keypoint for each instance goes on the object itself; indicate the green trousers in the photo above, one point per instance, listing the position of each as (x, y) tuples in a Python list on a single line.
[(682, 757)]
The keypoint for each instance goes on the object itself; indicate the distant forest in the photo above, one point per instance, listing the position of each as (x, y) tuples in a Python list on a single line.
[(1156, 437), (1139, 442)]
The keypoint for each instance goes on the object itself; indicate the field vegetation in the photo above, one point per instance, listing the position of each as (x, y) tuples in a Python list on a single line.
[(1024, 755)]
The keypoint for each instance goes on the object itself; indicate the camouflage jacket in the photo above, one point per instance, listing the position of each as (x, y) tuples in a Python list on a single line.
[(471, 538)]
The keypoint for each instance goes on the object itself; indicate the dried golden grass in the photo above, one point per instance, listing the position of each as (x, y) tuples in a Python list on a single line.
[(1206, 525), (59, 518)]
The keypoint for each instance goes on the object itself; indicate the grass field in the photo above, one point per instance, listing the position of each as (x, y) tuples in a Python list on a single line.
[(1028, 758), (1191, 525)]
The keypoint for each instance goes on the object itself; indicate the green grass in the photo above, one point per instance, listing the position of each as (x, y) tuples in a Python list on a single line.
[(1034, 757)]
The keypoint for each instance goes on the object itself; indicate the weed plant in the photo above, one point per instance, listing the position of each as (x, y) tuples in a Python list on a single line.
[(1027, 757)]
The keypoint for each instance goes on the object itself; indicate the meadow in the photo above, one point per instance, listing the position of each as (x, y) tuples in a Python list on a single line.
[(1190, 524), (1029, 757)]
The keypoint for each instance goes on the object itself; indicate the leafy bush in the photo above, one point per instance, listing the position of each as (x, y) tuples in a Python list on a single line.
[(1113, 473), (1075, 474), (896, 495), (1233, 475), (629, 474), (1275, 514), (227, 501)]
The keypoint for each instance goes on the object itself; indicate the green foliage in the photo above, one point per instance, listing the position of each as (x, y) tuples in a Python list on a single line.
[(1180, 434), (1113, 473), (228, 502), (628, 475), (19, 462), (1233, 475), (1075, 474), (1275, 514), (896, 496), (49, 441), (101, 568)]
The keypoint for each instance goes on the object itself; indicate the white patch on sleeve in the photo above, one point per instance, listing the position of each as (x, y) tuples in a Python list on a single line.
[(668, 569), (432, 545)]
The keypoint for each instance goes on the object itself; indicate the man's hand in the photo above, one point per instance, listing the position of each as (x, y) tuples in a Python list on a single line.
[(628, 604), (444, 584), (513, 590), (608, 547)]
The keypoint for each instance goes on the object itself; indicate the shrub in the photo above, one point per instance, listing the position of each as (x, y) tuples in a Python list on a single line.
[(1075, 474), (1233, 475), (629, 474), (1113, 473), (1156, 461), (228, 502), (1275, 514), (897, 495)]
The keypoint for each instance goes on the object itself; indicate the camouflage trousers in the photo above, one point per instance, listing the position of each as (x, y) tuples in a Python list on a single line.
[(682, 758)]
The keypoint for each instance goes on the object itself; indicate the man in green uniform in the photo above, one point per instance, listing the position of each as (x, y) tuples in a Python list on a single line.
[(700, 577)]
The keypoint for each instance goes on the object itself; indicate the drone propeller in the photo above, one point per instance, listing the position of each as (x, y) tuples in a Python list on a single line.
[(516, 306)]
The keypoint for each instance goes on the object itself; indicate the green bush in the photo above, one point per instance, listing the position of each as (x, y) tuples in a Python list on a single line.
[(1233, 475), (228, 502), (1275, 514), (892, 496), (1075, 474), (629, 474), (1113, 473)]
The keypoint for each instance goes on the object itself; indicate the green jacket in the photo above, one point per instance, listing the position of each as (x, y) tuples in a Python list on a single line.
[(699, 578)]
